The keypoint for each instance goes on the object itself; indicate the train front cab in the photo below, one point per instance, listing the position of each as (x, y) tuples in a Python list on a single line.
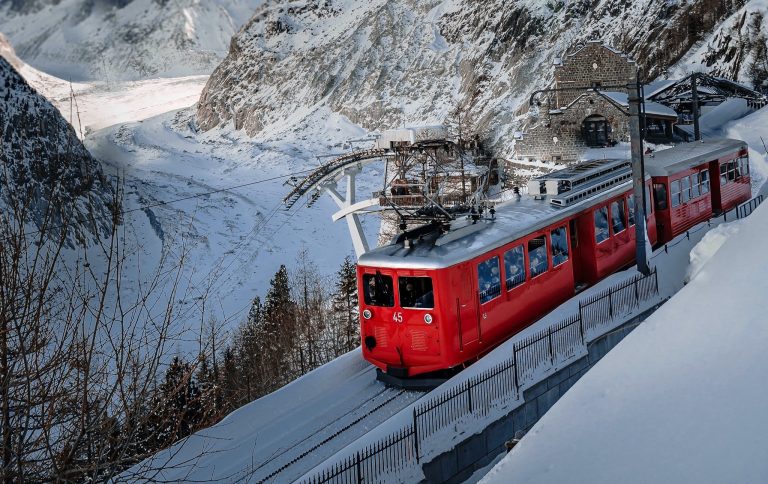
[(400, 319), (605, 240)]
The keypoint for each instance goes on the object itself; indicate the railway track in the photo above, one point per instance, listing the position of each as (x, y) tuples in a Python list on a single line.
[(319, 443)]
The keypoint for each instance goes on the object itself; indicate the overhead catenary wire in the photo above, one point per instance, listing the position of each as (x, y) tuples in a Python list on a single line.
[(94, 218)]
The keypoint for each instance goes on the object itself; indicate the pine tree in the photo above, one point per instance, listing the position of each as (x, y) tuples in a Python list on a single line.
[(345, 307), (277, 333)]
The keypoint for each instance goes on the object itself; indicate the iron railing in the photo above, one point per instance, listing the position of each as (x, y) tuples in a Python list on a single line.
[(496, 387)]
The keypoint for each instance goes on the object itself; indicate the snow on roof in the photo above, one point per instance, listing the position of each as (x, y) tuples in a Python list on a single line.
[(688, 155), (652, 108), (657, 86), (680, 399)]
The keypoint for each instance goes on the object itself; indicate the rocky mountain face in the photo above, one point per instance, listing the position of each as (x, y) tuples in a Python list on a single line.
[(385, 63), (45, 167), (123, 39)]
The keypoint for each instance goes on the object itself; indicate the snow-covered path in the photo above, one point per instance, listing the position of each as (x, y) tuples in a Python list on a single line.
[(308, 420)]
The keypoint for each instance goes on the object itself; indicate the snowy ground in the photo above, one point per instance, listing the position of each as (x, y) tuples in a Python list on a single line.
[(693, 412)]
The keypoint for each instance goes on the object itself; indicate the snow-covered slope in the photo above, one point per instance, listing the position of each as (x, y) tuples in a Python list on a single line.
[(681, 399), (123, 39), (387, 62)]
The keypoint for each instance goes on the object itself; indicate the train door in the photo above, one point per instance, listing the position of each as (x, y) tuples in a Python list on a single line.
[(577, 256), (466, 306), (715, 186)]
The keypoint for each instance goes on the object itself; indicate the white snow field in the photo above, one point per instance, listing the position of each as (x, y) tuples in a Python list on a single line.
[(681, 399)]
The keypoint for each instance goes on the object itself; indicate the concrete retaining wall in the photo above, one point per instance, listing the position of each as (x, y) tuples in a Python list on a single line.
[(479, 450)]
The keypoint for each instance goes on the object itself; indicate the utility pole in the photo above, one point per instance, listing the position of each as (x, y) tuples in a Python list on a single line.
[(695, 108), (638, 175)]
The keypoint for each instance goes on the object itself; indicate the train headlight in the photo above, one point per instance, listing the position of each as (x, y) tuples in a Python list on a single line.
[(367, 314), (428, 318)]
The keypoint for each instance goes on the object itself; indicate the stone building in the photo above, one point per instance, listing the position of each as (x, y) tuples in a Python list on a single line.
[(590, 108)]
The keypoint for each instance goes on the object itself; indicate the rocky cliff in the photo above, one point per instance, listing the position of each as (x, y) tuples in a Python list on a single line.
[(47, 174), (384, 63)]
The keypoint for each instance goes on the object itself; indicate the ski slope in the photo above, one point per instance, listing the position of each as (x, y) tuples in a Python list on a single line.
[(682, 398)]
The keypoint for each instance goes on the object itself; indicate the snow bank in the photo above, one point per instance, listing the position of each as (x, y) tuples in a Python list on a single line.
[(681, 399)]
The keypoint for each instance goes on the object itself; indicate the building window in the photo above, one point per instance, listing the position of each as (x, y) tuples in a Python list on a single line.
[(596, 131), (618, 218), (674, 189), (685, 184), (514, 267), (377, 290), (559, 246), (416, 292), (704, 179), (631, 209), (537, 255), (660, 196), (489, 279), (601, 224)]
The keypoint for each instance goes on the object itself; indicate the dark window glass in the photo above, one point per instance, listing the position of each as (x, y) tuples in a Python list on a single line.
[(732, 174), (514, 267), (537, 255), (489, 279), (416, 292), (648, 204), (601, 224), (723, 174), (559, 246), (685, 184), (674, 189), (704, 177), (660, 196), (378, 290), (618, 219), (631, 209)]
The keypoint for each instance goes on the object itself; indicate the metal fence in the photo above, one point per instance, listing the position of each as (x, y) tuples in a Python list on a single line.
[(495, 387)]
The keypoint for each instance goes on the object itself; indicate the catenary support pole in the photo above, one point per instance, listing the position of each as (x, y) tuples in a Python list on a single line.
[(695, 108), (638, 176)]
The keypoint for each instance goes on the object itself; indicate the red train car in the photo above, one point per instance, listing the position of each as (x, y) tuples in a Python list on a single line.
[(696, 180), (434, 300)]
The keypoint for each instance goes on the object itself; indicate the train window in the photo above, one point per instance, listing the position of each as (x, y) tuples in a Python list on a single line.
[(674, 189), (744, 162), (514, 266), (378, 290), (733, 170), (537, 256), (489, 279), (685, 184), (695, 186), (704, 178), (660, 196), (724, 174), (631, 209), (559, 246), (601, 224), (618, 217), (416, 292)]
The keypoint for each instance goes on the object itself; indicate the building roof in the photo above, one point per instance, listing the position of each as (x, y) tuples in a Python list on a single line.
[(689, 155), (651, 108)]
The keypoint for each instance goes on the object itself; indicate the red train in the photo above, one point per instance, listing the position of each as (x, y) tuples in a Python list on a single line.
[(434, 300)]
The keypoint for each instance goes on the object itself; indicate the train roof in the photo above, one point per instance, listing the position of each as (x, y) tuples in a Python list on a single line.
[(513, 220), (689, 155), (553, 197)]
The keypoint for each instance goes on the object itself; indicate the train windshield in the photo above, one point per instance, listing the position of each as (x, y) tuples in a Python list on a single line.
[(378, 290), (416, 292)]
